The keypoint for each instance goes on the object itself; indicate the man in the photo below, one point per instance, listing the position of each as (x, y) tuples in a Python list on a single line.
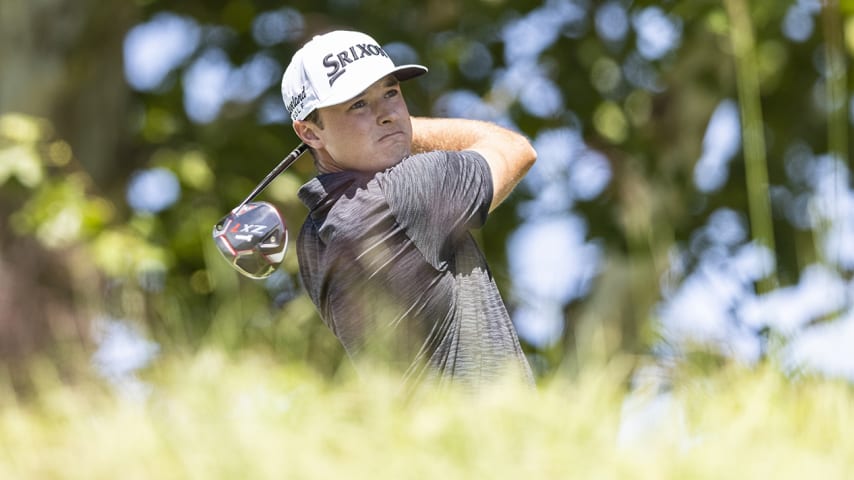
[(385, 252)]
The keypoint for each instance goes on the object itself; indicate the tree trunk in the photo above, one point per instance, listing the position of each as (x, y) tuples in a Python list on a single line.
[(62, 60)]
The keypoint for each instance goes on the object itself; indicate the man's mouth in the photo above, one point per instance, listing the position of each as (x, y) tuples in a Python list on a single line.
[(390, 135)]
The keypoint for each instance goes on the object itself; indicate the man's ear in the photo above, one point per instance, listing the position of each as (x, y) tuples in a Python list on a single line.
[(305, 131)]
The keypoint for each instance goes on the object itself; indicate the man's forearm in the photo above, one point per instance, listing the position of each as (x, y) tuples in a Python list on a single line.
[(429, 134), (508, 153), (453, 134)]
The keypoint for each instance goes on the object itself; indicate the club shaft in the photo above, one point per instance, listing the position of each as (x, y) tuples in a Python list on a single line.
[(281, 167)]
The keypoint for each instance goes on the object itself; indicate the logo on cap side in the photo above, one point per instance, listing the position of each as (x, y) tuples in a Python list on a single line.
[(295, 105), (336, 63)]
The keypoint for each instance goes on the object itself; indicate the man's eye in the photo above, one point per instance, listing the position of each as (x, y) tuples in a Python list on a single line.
[(359, 104), (392, 93)]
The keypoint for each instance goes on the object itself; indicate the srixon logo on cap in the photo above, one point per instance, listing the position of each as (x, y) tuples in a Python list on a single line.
[(336, 63)]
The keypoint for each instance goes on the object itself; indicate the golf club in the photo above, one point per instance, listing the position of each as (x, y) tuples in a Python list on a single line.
[(253, 237)]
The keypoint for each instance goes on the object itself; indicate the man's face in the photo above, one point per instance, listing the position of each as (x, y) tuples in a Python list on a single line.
[(369, 132)]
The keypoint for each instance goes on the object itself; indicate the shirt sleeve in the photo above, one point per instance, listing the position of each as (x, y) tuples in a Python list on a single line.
[(437, 197)]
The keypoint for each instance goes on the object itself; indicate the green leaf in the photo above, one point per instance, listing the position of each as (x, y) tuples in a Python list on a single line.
[(22, 162)]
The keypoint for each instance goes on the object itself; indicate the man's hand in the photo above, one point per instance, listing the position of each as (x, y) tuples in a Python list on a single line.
[(509, 154)]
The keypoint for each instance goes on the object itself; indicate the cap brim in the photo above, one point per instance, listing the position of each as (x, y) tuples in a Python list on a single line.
[(401, 73), (406, 72)]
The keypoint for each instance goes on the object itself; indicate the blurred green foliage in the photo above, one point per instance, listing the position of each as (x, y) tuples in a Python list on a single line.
[(71, 140)]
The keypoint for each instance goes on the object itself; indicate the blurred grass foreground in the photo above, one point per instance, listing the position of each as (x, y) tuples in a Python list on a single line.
[(211, 416), (241, 380)]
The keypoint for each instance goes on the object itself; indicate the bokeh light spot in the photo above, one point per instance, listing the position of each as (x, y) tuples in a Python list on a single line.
[(153, 190)]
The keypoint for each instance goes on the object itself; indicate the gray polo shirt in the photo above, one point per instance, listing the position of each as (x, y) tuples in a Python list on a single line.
[(389, 262)]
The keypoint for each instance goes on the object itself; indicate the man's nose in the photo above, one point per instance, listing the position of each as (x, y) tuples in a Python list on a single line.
[(387, 114)]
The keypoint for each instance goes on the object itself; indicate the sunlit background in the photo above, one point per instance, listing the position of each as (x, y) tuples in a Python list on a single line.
[(691, 211), (552, 257), (638, 231)]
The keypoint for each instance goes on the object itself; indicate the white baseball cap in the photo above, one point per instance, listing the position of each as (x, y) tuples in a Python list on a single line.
[(335, 67)]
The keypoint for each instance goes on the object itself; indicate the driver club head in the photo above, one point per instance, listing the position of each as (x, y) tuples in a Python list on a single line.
[(253, 239)]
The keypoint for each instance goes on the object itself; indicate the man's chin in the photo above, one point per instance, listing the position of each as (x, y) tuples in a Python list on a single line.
[(395, 157)]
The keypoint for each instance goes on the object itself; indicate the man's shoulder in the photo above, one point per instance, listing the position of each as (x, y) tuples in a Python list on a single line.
[(434, 164), (328, 187), (444, 155)]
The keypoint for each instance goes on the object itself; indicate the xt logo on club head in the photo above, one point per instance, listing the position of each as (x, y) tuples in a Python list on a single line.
[(247, 231), (253, 239)]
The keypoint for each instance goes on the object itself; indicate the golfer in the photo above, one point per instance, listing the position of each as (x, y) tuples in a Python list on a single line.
[(386, 252)]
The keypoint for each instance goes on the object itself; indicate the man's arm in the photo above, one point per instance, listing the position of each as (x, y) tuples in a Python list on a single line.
[(508, 154)]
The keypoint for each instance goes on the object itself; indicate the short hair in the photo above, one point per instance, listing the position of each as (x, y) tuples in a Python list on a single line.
[(314, 117)]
